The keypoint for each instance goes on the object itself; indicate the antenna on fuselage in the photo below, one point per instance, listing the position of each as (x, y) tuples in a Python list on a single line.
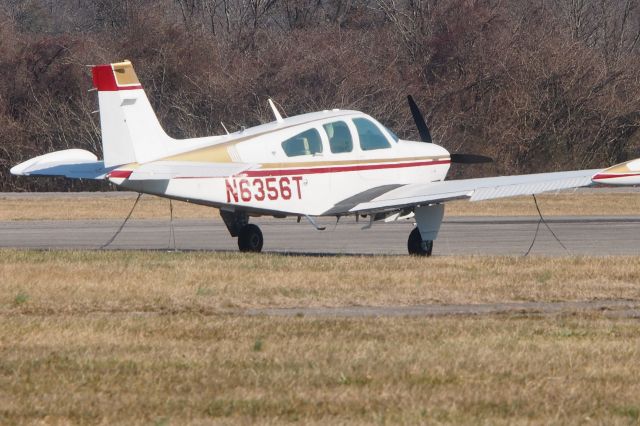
[(276, 114), (224, 127)]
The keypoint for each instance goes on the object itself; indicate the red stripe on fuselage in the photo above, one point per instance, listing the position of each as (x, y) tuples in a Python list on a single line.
[(339, 169), (307, 171)]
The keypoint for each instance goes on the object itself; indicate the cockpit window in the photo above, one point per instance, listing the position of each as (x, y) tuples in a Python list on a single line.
[(339, 137), (305, 143), (371, 137)]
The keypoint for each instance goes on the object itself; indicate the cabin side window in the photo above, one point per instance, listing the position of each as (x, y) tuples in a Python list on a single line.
[(305, 143), (339, 137), (371, 137)]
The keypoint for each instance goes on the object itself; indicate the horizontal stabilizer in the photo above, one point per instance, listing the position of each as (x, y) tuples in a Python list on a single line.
[(70, 163), (161, 170)]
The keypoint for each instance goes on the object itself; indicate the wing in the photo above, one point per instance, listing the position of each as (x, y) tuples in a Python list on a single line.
[(70, 163), (472, 189)]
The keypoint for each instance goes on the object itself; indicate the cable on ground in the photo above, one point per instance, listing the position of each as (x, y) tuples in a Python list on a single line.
[(105, 245), (538, 228)]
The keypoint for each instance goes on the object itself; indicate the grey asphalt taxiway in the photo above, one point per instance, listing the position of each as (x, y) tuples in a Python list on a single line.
[(587, 235), (458, 236)]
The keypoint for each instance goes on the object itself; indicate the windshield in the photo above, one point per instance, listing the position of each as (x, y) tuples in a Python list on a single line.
[(393, 135)]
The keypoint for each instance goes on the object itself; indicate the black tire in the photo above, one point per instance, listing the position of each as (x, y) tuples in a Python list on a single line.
[(416, 246), (250, 239)]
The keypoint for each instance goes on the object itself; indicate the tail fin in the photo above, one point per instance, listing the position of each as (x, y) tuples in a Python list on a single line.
[(131, 131)]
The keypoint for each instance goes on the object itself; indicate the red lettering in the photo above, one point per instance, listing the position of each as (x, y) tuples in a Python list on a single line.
[(259, 185), (272, 191), (232, 191), (285, 190), (260, 189), (297, 180), (245, 192)]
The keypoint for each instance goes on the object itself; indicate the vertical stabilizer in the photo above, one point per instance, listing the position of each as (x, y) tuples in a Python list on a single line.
[(131, 131)]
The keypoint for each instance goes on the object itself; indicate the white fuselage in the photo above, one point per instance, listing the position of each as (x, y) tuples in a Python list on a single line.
[(302, 184)]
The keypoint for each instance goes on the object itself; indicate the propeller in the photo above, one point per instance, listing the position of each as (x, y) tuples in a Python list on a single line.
[(470, 159), (425, 136)]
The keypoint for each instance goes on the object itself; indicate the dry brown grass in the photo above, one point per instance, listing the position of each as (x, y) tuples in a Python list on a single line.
[(561, 204), (150, 207), (77, 281), (98, 207), (146, 338), (194, 369)]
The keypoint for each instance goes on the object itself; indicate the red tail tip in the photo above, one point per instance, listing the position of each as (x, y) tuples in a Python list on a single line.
[(114, 77), (103, 78)]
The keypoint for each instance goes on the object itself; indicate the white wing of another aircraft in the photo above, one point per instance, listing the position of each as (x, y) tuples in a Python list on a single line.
[(325, 163), (627, 173)]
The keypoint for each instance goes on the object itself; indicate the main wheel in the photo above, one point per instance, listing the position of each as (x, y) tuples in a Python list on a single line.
[(250, 238), (416, 246)]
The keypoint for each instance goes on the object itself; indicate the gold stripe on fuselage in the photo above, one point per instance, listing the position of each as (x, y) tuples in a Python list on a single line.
[(212, 154), (620, 169)]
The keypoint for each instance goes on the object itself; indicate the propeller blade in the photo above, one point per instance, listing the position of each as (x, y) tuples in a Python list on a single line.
[(425, 136), (470, 159)]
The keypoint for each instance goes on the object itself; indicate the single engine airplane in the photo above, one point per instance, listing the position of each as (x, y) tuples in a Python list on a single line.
[(327, 163)]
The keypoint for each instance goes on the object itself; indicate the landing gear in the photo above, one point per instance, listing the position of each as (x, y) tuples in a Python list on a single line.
[(418, 247), (428, 220), (250, 239), (249, 236)]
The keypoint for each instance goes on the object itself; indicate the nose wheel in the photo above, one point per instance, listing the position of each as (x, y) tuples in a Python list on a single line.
[(418, 247), (250, 238)]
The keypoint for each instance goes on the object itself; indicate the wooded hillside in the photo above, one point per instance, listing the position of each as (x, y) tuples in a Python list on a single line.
[(539, 85)]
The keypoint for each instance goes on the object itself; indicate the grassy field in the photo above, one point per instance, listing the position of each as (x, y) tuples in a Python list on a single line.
[(157, 338), (150, 207), (78, 281), (98, 207), (194, 369)]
